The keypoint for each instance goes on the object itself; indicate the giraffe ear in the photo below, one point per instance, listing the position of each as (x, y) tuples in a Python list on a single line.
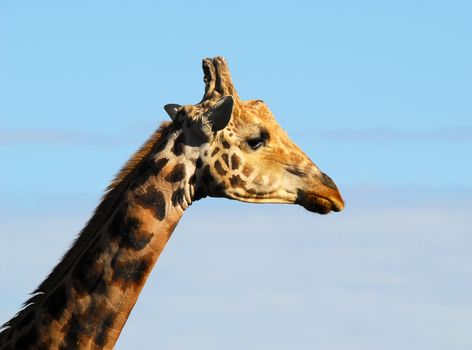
[(172, 110), (220, 114)]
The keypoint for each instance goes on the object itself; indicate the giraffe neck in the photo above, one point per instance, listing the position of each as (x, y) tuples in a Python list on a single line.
[(89, 305)]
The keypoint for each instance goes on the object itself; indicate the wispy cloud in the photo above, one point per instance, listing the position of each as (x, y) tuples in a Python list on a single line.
[(38, 136), (382, 274), (456, 134), (67, 137)]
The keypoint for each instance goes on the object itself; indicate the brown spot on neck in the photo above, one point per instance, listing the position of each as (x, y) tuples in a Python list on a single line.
[(179, 145), (178, 197), (131, 271), (153, 200), (177, 174)]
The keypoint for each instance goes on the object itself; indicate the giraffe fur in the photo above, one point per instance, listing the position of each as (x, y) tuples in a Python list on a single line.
[(220, 147)]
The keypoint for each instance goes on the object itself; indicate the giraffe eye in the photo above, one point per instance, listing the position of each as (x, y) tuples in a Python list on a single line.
[(256, 142)]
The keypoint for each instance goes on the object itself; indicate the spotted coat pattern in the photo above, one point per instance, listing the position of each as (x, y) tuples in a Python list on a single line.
[(222, 147)]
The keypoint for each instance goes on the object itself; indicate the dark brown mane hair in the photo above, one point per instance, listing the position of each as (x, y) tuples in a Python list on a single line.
[(103, 211)]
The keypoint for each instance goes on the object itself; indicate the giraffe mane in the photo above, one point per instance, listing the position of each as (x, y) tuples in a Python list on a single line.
[(86, 236), (138, 156)]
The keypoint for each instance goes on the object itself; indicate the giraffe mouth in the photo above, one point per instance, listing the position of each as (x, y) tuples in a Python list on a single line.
[(320, 204)]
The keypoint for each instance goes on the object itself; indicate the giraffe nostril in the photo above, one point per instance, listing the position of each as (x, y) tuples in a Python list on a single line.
[(326, 180)]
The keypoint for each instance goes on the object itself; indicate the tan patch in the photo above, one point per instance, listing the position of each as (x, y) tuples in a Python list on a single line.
[(247, 170), (259, 180), (296, 158)]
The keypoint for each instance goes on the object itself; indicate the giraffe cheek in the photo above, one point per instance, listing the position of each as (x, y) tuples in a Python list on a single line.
[(272, 180), (258, 180), (247, 170)]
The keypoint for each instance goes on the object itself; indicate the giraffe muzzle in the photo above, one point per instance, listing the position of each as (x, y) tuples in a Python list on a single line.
[(321, 201)]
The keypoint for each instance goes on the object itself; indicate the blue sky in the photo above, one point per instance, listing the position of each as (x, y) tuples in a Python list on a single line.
[(378, 93)]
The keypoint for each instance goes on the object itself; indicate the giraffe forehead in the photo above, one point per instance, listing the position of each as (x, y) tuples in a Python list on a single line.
[(248, 116), (251, 110), (248, 119), (254, 118)]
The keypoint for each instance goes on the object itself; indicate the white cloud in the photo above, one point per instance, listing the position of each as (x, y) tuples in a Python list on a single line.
[(35, 136)]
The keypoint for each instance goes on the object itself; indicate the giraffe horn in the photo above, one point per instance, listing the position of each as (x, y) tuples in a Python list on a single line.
[(217, 79)]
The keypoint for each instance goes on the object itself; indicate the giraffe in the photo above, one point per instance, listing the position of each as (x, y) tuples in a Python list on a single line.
[(220, 147)]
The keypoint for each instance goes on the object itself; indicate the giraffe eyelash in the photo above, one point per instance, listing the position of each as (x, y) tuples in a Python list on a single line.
[(256, 143), (259, 141)]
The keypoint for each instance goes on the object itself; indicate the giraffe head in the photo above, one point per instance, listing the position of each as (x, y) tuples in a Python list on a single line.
[(244, 154)]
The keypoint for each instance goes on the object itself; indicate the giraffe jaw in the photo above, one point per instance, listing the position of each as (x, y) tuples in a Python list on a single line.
[(311, 201), (320, 204)]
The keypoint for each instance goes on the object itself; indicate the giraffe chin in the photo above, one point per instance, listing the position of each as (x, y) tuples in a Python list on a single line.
[(317, 204)]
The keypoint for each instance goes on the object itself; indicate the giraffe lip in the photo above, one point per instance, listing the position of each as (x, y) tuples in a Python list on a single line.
[(319, 204)]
